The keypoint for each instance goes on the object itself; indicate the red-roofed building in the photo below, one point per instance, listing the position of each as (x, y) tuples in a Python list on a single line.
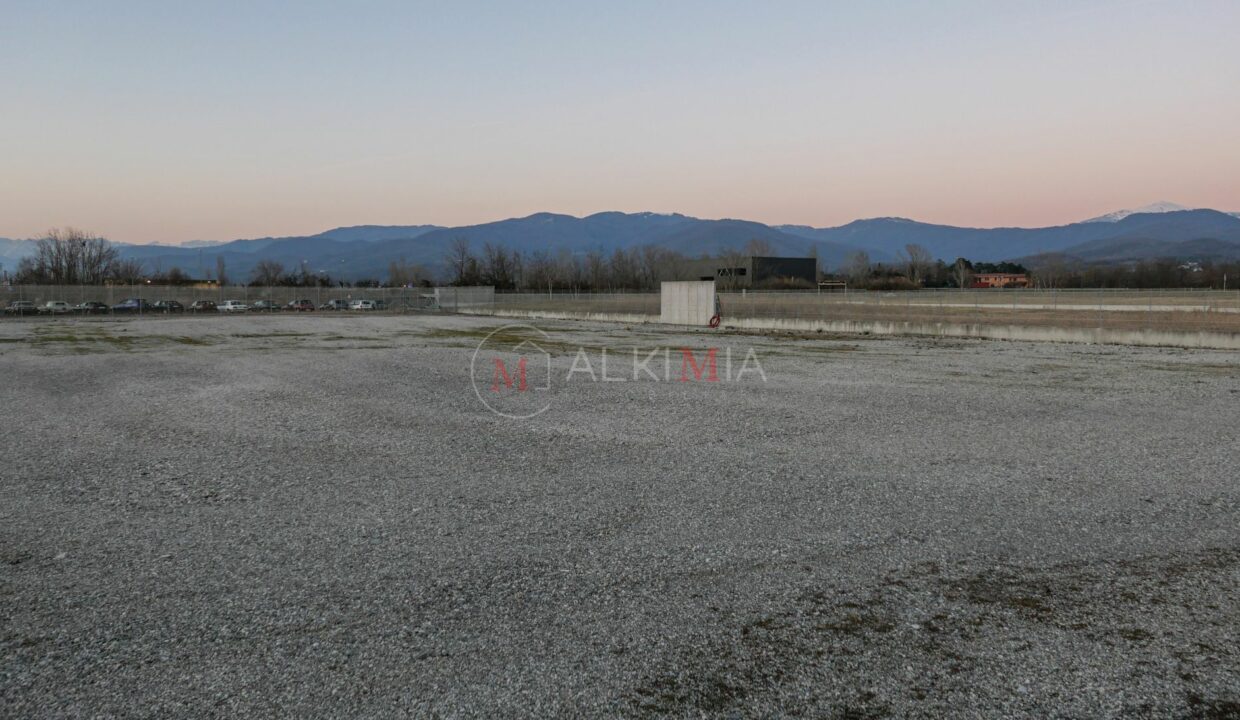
[(1000, 280)]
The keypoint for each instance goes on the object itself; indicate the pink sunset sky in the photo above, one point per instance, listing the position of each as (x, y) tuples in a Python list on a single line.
[(147, 122)]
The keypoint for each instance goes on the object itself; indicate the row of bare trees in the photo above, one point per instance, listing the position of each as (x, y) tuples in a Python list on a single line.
[(638, 268), (70, 256), (915, 268)]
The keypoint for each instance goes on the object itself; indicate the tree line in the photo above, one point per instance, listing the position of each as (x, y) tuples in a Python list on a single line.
[(71, 257), (914, 268), (75, 257), (640, 268)]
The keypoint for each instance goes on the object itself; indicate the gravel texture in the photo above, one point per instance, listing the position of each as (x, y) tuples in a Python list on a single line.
[(315, 516)]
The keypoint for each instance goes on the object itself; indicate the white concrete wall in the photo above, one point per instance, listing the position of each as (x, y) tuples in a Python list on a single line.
[(690, 302)]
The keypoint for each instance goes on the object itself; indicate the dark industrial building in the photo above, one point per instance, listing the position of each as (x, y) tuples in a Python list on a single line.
[(751, 271)]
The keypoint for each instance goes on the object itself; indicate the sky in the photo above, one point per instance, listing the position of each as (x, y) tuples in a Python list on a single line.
[(170, 121)]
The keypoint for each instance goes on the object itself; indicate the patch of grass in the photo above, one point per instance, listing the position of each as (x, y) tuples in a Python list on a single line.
[(96, 340), (1028, 597), (113, 340), (509, 338), (854, 623), (1217, 369), (1136, 635), (1213, 708)]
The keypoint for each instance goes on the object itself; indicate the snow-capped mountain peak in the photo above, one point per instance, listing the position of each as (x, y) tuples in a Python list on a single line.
[(1158, 207)]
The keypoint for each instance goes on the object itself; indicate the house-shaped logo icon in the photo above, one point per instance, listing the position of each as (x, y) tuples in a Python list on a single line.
[(512, 381)]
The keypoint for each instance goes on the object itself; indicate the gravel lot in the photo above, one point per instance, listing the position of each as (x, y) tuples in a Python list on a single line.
[(315, 516)]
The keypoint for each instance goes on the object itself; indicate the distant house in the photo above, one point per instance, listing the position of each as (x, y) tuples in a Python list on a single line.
[(752, 271), (1000, 280)]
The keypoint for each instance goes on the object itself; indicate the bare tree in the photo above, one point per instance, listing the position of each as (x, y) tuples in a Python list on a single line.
[(459, 258), (595, 270), (266, 273), (568, 272), (653, 264), (540, 271), (220, 275), (127, 272), (625, 268), (731, 261), (760, 247), (1050, 273), (859, 268), (175, 276), (404, 274), (916, 259), (68, 257), (499, 267), (962, 272)]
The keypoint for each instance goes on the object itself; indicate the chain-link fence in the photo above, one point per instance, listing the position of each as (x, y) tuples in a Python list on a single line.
[(1163, 310), (390, 299)]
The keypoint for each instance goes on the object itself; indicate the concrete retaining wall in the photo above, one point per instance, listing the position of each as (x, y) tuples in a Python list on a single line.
[(1027, 333)]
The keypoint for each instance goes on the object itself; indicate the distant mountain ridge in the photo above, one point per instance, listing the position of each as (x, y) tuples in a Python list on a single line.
[(1159, 207), (366, 250), (1159, 233)]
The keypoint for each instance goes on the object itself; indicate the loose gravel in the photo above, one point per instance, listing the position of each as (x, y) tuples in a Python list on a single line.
[(315, 516)]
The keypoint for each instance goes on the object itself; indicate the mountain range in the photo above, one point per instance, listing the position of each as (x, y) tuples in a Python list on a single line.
[(1163, 230)]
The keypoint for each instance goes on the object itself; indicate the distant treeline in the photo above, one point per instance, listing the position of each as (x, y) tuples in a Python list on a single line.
[(914, 269), (640, 268), (72, 257)]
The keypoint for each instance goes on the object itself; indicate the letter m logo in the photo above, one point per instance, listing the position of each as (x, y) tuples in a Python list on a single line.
[(501, 375), (687, 361)]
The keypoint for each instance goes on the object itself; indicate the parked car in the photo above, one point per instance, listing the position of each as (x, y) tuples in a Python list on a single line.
[(301, 306), (363, 305), (265, 306), (20, 307), (203, 306), (334, 305), (131, 305), (233, 306), (169, 306), (91, 307), (55, 307)]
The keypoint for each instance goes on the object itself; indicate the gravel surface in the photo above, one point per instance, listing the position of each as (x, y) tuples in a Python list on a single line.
[(315, 516)]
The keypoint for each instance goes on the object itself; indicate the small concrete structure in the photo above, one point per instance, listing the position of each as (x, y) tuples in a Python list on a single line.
[(689, 302)]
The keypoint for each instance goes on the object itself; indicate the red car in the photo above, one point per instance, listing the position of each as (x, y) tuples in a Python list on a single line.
[(301, 306)]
